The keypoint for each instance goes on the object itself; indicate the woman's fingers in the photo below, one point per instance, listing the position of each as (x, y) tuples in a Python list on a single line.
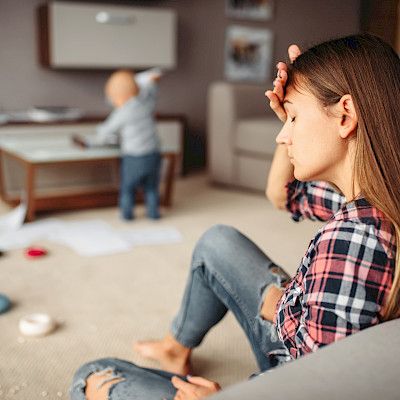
[(180, 384), (283, 76), (198, 380), (276, 105), (279, 85), (281, 66), (277, 95), (293, 51), (178, 395)]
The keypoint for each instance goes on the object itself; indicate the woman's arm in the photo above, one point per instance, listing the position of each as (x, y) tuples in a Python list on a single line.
[(280, 174)]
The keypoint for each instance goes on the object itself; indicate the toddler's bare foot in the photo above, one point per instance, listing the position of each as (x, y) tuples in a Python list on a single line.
[(172, 356)]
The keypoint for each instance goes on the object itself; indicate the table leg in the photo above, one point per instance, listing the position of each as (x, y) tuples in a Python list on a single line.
[(170, 179), (117, 172), (30, 191)]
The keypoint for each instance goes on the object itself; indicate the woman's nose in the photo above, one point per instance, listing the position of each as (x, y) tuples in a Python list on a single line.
[(283, 136)]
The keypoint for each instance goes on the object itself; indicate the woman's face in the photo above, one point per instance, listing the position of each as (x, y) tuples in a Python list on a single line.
[(311, 134)]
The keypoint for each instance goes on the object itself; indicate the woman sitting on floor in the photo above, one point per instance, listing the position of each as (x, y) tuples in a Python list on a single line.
[(338, 160)]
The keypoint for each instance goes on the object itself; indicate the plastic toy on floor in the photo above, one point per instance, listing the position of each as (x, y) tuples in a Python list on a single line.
[(5, 303)]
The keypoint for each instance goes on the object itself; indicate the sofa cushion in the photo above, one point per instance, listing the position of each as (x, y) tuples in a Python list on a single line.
[(252, 172), (364, 366), (257, 135)]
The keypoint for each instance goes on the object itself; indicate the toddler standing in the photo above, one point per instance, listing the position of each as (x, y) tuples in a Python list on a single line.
[(132, 125)]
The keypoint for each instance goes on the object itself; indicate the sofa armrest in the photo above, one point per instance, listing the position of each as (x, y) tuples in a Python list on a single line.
[(250, 101), (226, 104), (364, 366)]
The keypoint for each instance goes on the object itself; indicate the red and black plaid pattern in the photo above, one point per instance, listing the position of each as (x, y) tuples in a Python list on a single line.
[(345, 275), (313, 200)]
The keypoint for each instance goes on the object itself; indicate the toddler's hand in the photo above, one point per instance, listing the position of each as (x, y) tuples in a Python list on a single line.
[(78, 141)]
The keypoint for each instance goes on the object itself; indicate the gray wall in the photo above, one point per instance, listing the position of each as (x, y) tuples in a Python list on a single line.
[(201, 29)]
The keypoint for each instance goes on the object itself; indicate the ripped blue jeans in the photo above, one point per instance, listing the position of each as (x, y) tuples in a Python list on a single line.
[(137, 383), (228, 272)]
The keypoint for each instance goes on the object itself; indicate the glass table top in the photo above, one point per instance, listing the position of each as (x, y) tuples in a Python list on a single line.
[(54, 149)]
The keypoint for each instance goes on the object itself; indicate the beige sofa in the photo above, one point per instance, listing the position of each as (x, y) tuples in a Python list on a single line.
[(241, 131), (364, 366)]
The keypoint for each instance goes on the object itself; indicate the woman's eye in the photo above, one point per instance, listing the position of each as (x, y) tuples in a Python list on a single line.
[(292, 119)]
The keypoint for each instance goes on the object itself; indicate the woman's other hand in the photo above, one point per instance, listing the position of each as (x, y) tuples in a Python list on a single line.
[(196, 388), (277, 95), (271, 300)]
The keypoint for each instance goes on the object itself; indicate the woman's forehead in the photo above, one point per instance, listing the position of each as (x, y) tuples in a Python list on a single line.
[(295, 96)]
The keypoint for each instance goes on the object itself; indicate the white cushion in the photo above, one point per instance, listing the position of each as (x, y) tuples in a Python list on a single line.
[(257, 135), (252, 172)]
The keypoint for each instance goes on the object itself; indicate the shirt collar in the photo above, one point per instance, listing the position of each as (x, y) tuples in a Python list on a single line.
[(357, 209)]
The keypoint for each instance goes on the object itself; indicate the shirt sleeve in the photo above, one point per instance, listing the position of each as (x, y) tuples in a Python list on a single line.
[(314, 200), (145, 77), (348, 278), (107, 133), (146, 82)]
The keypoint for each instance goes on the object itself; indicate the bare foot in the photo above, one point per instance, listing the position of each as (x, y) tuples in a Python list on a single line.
[(172, 356)]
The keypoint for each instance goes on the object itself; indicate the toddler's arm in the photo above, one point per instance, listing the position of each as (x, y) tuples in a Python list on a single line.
[(148, 77), (107, 133)]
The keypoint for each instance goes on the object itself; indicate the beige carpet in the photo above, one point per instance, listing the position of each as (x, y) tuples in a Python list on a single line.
[(104, 303)]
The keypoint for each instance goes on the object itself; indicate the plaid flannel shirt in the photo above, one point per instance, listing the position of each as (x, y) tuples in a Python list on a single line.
[(345, 275)]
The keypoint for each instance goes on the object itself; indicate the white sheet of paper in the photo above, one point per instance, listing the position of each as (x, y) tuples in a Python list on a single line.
[(87, 238), (13, 220), (29, 233), (90, 238), (151, 236)]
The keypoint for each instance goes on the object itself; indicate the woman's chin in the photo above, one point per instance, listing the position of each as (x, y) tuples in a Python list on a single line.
[(302, 176), (297, 174)]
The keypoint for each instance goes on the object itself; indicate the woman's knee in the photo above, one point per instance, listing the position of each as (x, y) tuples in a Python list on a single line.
[(99, 384), (215, 246), (89, 372), (217, 237)]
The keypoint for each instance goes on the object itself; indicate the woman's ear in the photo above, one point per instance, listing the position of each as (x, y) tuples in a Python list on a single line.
[(348, 116)]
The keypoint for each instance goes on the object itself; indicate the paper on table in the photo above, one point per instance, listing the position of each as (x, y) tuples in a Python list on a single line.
[(148, 236), (90, 238)]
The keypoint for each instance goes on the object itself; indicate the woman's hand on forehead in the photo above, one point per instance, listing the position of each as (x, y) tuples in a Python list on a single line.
[(277, 95), (293, 52), (280, 83)]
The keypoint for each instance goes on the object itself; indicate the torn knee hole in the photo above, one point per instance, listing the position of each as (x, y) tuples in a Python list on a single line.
[(98, 384)]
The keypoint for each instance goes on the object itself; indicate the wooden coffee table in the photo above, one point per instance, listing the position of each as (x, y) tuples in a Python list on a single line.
[(33, 153)]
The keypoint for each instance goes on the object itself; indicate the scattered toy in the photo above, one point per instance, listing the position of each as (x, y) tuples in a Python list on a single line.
[(36, 325), (35, 252), (5, 303)]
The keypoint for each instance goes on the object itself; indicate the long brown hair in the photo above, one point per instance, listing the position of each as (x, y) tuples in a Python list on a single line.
[(368, 69)]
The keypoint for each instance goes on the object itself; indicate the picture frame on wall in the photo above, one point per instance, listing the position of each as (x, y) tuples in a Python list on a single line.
[(261, 10), (248, 54)]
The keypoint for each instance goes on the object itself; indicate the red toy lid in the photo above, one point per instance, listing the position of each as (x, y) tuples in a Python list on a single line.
[(33, 252)]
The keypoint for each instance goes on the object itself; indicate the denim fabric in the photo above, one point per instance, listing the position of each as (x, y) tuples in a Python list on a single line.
[(144, 172), (137, 383), (228, 272)]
